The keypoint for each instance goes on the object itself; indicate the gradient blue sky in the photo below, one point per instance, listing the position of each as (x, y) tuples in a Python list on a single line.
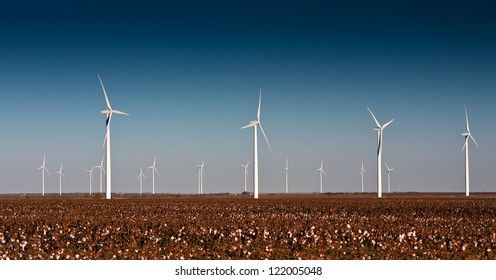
[(189, 73)]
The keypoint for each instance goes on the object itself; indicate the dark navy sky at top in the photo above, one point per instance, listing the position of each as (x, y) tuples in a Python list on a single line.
[(255, 25)]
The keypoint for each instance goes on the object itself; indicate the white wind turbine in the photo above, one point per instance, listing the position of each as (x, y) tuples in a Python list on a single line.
[(101, 169), (200, 177), (321, 170), (108, 112), (467, 135), (389, 177), (245, 169), (90, 173), (256, 123), (154, 169), (379, 129), (362, 170), (61, 174), (141, 176), (286, 168), (43, 170)]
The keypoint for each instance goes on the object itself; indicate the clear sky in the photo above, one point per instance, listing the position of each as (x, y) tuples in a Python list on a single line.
[(189, 74)]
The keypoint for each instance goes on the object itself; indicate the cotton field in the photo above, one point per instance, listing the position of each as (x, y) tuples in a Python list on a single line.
[(224, 227)]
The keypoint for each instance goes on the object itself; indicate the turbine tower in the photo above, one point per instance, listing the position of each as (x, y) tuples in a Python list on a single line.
[(362, 170), (100, 167), (61, 174), (389, 177), (256, 123), (154, 169), (286, 168), (467, 135), (141, 176), (108, 112), (245, 168), (90, 172), (321, 170), (200, 177), (379, 130), (43, 170)]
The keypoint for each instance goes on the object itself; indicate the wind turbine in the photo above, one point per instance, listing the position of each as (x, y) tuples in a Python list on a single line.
[(389, 177), (467, 135), (90, 172), (61, 174), (362, 170), (256, 123), (200, 177), (379, 130), (108, 112), (43, 169), (286, 169), (245, 166), (321, 169), (154, 169), (100, 167), (141, 176)]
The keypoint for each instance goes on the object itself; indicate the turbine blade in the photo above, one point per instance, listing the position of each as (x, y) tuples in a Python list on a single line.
[(388, 123), (466, 118), (473, 139), (259, 105), (464, 145), (251, 124), (156, 170), (104, 92), (323, 171), (120, 112), (375, 119), (109, 119), (265, 136)]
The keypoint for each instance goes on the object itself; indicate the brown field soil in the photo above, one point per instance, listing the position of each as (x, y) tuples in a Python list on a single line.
[(296, 226)]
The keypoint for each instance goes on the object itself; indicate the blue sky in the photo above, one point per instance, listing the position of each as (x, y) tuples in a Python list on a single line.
[(189, 73)]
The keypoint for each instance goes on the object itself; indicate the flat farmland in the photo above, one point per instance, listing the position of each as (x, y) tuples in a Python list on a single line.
[(221, 227)]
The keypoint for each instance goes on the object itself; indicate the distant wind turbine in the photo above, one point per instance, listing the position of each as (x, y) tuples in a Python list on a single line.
[(245, 170), (61, 174), (389, 177), (379, 130), (101, 169), (108, 112), (141, 176), (286, 168), (90, 173), (256, 123), (467, 135), (43, 170), (200, 177), (321, 170), (362, 170), (154, 169)]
